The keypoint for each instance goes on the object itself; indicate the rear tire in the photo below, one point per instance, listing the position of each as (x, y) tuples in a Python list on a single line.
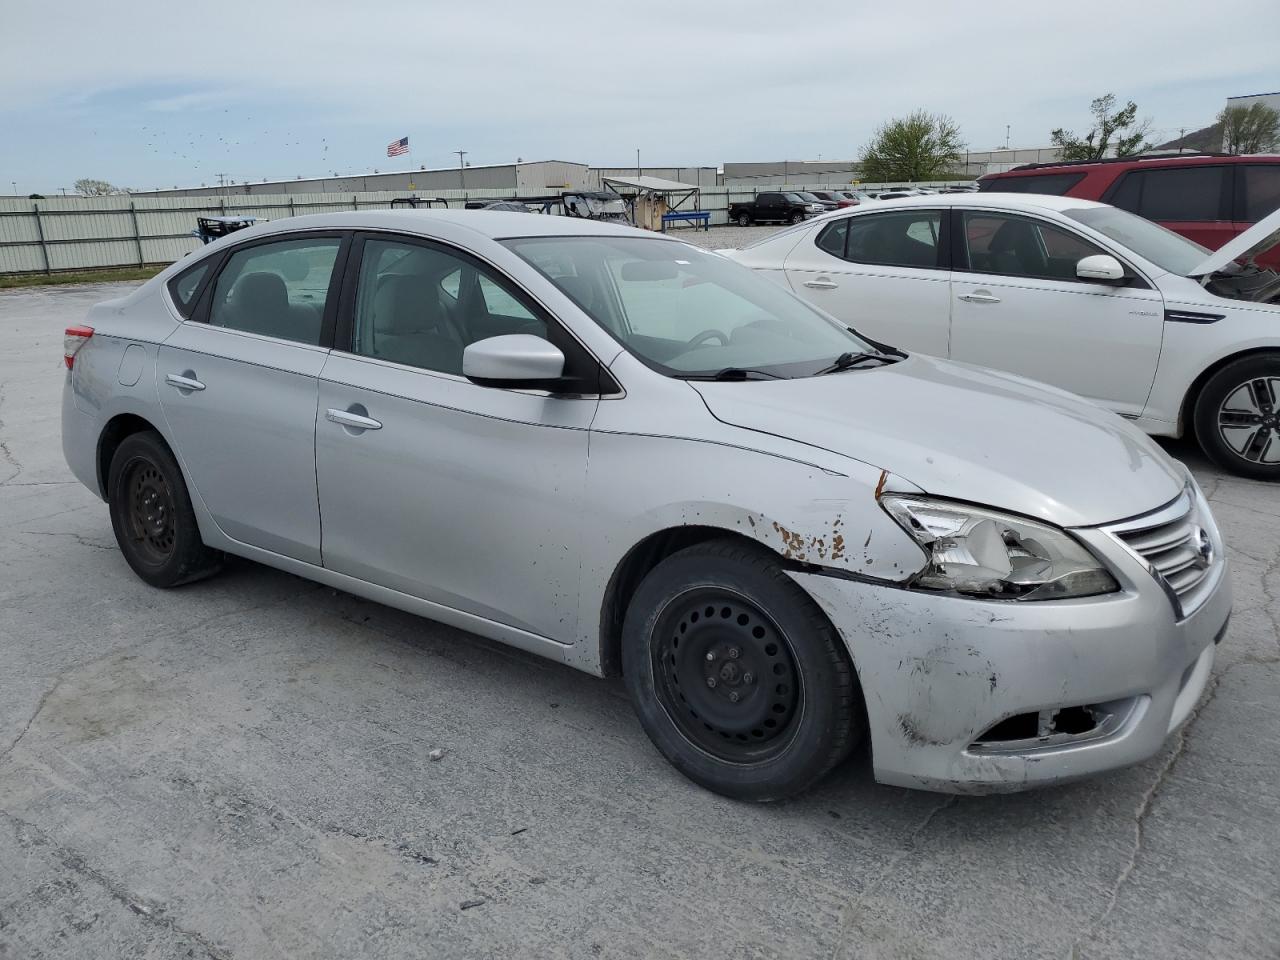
[(1237, 417), (744, 219), (151, 514), (737, 677)]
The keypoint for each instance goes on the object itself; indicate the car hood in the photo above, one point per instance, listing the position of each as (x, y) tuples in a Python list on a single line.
[(1254, 242), (967, 433)]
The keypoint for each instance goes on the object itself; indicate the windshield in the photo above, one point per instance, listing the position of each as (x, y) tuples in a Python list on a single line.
[(793, 197), (687, 312), (808, 197), (1151, 241)]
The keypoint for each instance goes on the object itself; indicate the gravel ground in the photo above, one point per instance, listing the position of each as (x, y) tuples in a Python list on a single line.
[(243, 768), (724, 238)]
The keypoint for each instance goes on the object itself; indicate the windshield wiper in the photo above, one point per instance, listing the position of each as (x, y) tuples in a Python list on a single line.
[(847, 361), (732, 373)]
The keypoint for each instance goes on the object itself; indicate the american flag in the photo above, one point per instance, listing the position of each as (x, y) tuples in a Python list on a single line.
[(396, 147)]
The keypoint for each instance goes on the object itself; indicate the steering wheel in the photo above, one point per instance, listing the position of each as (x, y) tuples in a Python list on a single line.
[(706, 335)]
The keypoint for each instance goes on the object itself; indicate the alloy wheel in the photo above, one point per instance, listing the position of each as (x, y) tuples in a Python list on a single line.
[(1249, 420)]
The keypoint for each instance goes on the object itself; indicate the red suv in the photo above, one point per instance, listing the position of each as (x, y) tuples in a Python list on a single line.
[(1208, 198)]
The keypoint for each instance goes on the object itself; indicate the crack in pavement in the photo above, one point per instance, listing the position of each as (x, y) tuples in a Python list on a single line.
[(1148, 800), (77, 537), (151, 913)]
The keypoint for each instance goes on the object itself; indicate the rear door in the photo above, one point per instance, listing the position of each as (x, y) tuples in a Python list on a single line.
[(1195, 200), (885, 274), (1018, 306), (238, 389)]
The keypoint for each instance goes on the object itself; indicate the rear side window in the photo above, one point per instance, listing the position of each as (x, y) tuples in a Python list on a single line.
[(1261, 187), (1054, 183), (186, 286), (907, 239), (276, 289), (1172, 193)]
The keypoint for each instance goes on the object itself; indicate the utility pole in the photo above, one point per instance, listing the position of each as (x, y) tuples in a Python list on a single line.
[(221, 180), (462, 168), (637, 161), (1007, 128)]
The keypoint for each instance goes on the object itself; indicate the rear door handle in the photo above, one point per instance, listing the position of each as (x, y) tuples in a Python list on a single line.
[(353, 420), (979, 298), (822, 284), (183, 382)]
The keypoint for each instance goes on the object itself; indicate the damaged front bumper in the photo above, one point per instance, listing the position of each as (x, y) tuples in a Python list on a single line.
[(975, 696)]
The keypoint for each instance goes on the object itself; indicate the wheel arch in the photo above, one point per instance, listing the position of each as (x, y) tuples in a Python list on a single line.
[(114, 433), (1186, 413)]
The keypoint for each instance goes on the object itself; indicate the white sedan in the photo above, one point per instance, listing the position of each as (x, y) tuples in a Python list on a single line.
[(1069, 292)]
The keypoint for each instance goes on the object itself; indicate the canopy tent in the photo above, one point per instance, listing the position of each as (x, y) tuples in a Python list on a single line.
[(642, 185)]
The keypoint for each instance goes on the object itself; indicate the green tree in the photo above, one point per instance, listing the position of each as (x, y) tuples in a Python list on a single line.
[(921, 146), (1251, 129), (1112, 129), (96, 188)]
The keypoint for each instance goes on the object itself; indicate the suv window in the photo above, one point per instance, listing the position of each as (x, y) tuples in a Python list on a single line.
[(1054, 183), (276, 289), (184, 287), (421, 306), (1171, 193), (906, 239), (1022, 247), (1261, 186), (769, 199)]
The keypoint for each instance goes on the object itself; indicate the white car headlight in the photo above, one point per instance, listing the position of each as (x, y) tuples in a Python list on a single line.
[(992, 555)]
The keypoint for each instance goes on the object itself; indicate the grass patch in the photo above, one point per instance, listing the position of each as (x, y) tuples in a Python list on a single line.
[(79, 276)]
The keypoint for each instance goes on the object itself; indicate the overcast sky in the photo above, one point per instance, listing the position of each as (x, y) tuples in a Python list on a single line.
[(145, 93)]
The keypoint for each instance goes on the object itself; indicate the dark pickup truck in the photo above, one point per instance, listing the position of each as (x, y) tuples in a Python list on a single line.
[(782, 207)]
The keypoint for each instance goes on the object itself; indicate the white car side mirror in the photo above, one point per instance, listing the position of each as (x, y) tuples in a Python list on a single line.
[(516, 361), (1101, 267)]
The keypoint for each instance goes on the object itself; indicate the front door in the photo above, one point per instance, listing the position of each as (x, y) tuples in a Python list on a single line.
[(884, 274), (462, 495), (1018, 306), (238, 391)]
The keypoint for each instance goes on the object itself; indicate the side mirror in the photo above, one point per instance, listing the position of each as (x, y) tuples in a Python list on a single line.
[(1101, 268), (516, 361)]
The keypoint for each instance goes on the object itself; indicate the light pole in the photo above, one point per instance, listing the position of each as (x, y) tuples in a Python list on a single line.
[(462, 168), (637, 161)]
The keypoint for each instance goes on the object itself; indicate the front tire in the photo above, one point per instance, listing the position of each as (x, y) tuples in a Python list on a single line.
[(737, 677), (1237, 417), (151, 514), (744, 219), (797, 217)]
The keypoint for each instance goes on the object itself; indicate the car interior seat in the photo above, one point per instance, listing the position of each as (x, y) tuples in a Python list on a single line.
[(409, 325)]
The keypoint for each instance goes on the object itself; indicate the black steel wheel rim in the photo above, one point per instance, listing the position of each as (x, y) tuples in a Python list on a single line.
[(726, 675), (149, 512)]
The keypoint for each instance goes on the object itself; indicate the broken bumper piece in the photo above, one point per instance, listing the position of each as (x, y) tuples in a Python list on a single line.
[(974, 696)]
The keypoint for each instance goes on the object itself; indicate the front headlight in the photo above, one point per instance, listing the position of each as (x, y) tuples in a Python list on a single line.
[(992, 555)]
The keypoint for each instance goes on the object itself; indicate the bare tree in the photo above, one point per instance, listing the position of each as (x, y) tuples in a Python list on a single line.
[(96, 188), (1251, 129), (1112, 128), (921, 146)]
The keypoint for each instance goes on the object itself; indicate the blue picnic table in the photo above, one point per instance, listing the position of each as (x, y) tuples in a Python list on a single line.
[(695, 216)]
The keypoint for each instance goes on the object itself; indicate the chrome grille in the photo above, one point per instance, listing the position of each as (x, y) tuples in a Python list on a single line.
[(1179, 548)]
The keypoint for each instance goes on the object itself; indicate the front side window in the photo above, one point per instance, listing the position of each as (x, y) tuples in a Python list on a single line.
[(1022, 247), (276, 289), (905, 239), (686, 312), (422, 306)]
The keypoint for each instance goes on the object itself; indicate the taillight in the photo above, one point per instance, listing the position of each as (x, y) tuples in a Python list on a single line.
[(72, 341)]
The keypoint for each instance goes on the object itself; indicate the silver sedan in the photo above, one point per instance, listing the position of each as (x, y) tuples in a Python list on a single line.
[(635, 457)]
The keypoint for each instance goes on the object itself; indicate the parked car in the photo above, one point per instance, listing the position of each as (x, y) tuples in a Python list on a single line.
[(1074, 293), (897, 194), (511, 206), (812, 198), (1207, 198), (773, 207), (840, 198), (786, 537)]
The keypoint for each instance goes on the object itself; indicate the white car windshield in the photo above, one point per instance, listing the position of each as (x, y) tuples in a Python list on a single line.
[(1148, 240), (689, 313)]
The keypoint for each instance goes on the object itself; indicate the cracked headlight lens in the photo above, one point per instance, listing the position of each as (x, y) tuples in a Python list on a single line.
[(983, 553)]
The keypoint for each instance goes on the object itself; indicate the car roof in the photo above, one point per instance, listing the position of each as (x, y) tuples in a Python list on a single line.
[(494, 224), (987, 198), (1122, 164)]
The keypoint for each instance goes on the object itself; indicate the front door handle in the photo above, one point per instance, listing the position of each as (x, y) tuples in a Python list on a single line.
[(183, 381), (351, 420), (979, 298), (821, 284)]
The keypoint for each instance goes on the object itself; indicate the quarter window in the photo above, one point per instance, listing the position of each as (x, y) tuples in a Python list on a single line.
[(1261, 191), (422, 306), (1021, 247), (277, 289), (907, 239), (831, 239), (1054, 183), (184, 287)]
